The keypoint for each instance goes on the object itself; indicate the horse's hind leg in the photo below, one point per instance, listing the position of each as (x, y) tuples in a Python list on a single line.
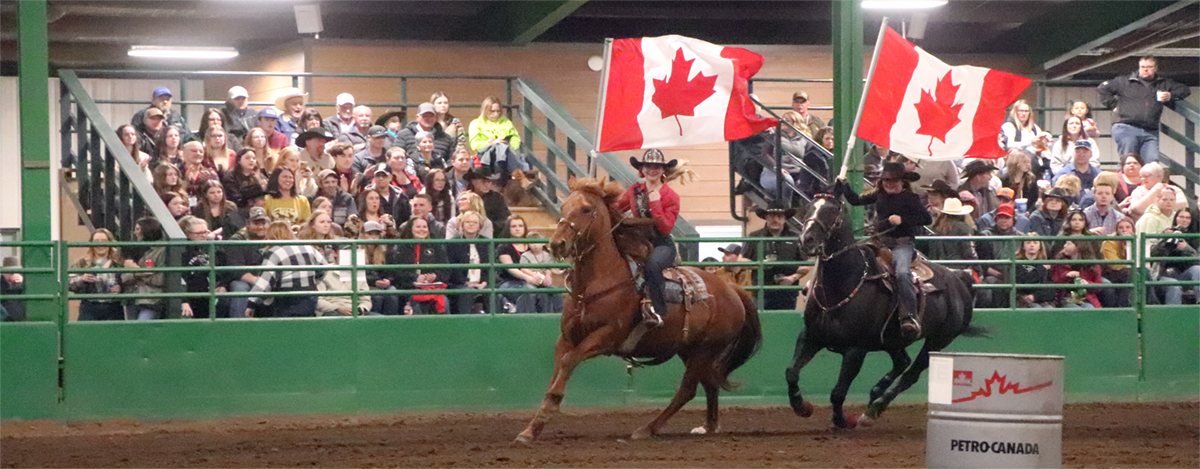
[(566, 358), (906, 380), (692, 375), (852, 361), (900, 361), (805, 351), (712, 392)]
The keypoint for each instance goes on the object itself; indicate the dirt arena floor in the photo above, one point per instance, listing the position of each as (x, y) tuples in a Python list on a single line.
[(1094, 435)]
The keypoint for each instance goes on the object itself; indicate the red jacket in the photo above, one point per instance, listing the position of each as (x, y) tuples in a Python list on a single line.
[(1089, 273), (664, 210)]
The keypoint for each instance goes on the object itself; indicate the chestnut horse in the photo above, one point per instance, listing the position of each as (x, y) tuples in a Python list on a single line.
[(713, 337)]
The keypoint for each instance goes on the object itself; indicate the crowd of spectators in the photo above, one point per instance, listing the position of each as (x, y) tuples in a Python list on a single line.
[(284, 173), (1045, 185)]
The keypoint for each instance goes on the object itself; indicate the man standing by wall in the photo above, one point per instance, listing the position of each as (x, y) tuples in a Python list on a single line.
[(1138, 101), (786, 249)]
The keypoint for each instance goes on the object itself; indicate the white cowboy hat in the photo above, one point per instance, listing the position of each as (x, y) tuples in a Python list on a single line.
[(953, 206), (289, 93)]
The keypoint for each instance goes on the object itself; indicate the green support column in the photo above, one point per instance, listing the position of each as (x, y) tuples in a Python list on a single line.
[(847, 89), (33, 68)]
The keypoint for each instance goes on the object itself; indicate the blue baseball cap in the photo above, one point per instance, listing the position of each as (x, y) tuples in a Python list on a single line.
[(163, 91), (268, 113)]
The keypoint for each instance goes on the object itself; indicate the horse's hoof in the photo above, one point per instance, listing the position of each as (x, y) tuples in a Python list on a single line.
[(865, 421), (804, 410), (699, 430), (851, 421), (524, 439), (641, 434)]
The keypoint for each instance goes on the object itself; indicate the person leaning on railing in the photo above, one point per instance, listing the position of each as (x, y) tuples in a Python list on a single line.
[(242, 254), (196, 257), (1081, 273), (103, 257), (294, 280), (146, 229)]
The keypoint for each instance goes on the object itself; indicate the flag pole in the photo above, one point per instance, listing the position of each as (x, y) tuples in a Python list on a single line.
[(600, 106), (866, 87)]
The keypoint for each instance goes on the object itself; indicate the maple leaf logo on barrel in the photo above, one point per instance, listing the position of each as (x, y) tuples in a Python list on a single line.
[(937, 112), (677, 95)]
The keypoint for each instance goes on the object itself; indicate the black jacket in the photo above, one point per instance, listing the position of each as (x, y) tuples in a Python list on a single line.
[(238, 123), (497, 211), (786, 249), (460, 253), (907, 204), (1033, 274), (238, 254), (443, 143), (406, 254), (1136, 101)]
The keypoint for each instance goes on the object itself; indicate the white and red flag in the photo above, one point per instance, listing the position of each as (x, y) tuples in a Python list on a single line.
[(672, 90), (922, 108)]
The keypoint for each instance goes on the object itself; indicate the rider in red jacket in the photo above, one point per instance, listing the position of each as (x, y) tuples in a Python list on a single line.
[(654, 199)]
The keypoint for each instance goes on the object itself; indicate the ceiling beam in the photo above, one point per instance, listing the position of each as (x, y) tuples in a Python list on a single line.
[(1129, 28), (520, 22)]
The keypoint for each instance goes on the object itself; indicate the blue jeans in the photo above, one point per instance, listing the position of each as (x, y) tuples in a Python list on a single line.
[(295, 306), (767, 181), (660, 258), (387, 305), (1136, 140), (237, 306), (902, 254), (1174, 293), (523, 302)]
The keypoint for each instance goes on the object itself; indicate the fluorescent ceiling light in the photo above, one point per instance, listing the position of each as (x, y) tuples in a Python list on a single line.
[(902, 4), (183, 53)]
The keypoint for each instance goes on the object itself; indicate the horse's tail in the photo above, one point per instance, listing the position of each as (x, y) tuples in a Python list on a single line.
[(747, 343)]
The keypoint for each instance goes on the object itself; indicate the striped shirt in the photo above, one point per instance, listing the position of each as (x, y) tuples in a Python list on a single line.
[(289, 280)]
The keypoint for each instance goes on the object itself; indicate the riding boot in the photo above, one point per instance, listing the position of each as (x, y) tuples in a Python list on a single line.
[(658, 309), (910, 325)]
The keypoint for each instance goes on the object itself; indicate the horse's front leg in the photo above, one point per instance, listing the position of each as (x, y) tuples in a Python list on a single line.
[(805, 351), (906, 380), (852, 361), (900, 361), (566, 358)]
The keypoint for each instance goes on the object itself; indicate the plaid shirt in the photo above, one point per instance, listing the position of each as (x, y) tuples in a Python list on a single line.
[(289, 280)]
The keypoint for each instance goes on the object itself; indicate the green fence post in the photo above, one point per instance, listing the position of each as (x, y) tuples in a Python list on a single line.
[(354, 278), (491, 276), (33, 69), (212, 280)]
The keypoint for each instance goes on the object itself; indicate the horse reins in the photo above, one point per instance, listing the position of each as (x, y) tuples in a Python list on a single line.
[(579, 297)]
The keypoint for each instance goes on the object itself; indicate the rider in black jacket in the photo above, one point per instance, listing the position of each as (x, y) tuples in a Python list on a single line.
[(900, 216)]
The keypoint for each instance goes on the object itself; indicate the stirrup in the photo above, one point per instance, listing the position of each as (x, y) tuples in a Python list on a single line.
[(649, 316), (910, 328)]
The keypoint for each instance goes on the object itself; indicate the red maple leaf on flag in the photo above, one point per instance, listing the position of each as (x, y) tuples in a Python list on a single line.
[(677, 95), (938, 114)]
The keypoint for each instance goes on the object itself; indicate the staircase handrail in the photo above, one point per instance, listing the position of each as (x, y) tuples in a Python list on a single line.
[(585, 141), (133, 173)]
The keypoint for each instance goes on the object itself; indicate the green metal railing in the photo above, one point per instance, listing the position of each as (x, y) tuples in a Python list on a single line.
[(1139, 278)]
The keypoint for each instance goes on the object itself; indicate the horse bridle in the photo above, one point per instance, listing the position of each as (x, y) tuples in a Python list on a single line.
[(578, 256), (837, 223)]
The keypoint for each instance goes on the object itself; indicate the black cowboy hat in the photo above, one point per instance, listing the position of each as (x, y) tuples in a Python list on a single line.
[(382, 120), (315, 132), (940, 187), (653, 156), (976, 167), (897, 171), (482, 172), (1060, 194), (775, 209)]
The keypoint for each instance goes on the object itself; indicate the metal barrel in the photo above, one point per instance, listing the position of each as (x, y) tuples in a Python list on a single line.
[(994, 410)]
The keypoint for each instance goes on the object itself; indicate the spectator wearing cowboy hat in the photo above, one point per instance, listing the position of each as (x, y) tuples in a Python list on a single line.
[(952, 222), (737, 275), (653, 202), (977, 178), (291, 105), (312, 143), (936, 195), (1048, 220), (784, 250), (900, 216), (987, 220), (482, 182)]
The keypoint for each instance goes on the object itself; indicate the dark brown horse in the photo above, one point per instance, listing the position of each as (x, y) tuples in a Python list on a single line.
[(713, 338)]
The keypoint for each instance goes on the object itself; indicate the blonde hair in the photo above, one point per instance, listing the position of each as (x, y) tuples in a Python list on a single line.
[(487, 106), (474, 201), (462, 217), (114, 253), (1071, 183), (1028, 125), (280, 230), (308, 232), (1108, 179), (284, 154), (1041, 250)]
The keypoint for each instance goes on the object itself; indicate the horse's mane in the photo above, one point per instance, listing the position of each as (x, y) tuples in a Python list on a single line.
[(632, 241)]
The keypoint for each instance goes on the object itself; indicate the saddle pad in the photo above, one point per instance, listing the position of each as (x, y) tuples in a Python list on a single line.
[(684, 286)]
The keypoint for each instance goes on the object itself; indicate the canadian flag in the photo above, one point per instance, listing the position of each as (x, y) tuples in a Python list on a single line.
[(672, 90), (922, 108)]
